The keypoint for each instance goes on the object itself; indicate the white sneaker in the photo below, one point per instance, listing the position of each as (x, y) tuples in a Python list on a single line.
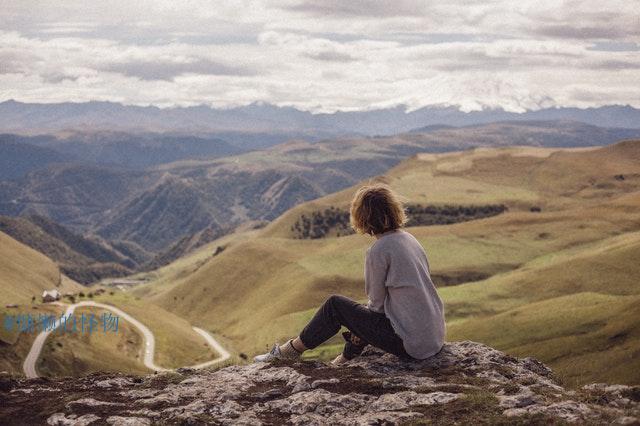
[(339, 360), (271, 355)]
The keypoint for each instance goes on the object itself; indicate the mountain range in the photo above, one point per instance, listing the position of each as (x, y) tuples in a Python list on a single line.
[(153, 202), (33, 118)]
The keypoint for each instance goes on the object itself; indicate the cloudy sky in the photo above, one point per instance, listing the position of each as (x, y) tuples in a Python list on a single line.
[(323, 55)]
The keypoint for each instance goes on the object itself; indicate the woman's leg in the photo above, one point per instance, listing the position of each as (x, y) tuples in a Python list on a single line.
[(372, 327)]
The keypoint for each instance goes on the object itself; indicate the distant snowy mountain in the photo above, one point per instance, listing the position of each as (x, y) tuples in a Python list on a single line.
[(21, 117)]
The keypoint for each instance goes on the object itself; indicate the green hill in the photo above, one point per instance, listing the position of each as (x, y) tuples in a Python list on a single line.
[(564, 207), (83, 258), (73, 354), (24, 274)]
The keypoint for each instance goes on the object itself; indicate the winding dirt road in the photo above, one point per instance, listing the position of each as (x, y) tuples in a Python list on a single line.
[(29, 365)]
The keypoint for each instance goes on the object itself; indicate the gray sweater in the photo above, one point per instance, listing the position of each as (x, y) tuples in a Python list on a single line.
[(398, 284)]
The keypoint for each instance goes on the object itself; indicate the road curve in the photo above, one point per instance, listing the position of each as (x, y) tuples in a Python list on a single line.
[(29, 365), (224, 355)]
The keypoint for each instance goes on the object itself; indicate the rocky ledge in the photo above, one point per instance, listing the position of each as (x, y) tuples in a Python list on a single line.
[(467, 382)]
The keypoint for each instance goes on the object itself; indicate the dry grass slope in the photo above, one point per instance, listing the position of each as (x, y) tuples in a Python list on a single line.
[(578, 252), (81, 353), (25, 273)]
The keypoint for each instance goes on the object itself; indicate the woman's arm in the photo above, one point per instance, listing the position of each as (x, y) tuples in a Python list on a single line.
[(375, 276)]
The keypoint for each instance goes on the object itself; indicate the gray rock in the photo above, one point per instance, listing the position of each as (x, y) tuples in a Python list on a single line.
[(406, 399), (318, 383), (627, 420), (116, 382), (465, 379), (91, 402), (524, 398), (128, 421), (570, 411), (72, 420)]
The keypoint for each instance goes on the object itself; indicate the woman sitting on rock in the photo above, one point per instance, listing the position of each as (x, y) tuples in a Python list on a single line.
[(404, 314)]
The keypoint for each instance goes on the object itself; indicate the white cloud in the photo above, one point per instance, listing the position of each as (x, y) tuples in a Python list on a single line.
[(323, 55)]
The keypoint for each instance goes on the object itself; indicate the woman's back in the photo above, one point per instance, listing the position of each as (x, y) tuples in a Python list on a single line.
[(398, 263)]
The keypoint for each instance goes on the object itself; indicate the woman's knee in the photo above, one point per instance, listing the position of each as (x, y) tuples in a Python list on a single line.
[(336, 300), (340, 308)]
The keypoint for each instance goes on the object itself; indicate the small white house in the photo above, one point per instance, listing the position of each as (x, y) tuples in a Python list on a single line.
[(50, 295)]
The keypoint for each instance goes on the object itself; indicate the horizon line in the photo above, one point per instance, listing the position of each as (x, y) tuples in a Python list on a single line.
[(457, 107)]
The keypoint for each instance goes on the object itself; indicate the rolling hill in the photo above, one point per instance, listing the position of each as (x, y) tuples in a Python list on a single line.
[(85, 259), (559, 262), (77, 354), (261, 185), (25, 273), (157, 207)]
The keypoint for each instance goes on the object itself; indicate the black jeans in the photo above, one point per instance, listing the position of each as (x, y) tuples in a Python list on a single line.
[(370, 327)]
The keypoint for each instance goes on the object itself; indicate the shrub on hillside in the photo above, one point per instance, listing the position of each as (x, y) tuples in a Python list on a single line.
[(334, 221)]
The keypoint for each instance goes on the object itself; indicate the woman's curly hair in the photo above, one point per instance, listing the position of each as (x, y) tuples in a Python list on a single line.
[(375, 209)]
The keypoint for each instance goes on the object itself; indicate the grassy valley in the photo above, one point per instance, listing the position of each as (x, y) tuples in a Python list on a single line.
[(76, 354), (72, 354), (26, 273)]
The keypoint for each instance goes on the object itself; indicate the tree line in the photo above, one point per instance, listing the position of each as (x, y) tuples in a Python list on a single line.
[(334, 221)]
